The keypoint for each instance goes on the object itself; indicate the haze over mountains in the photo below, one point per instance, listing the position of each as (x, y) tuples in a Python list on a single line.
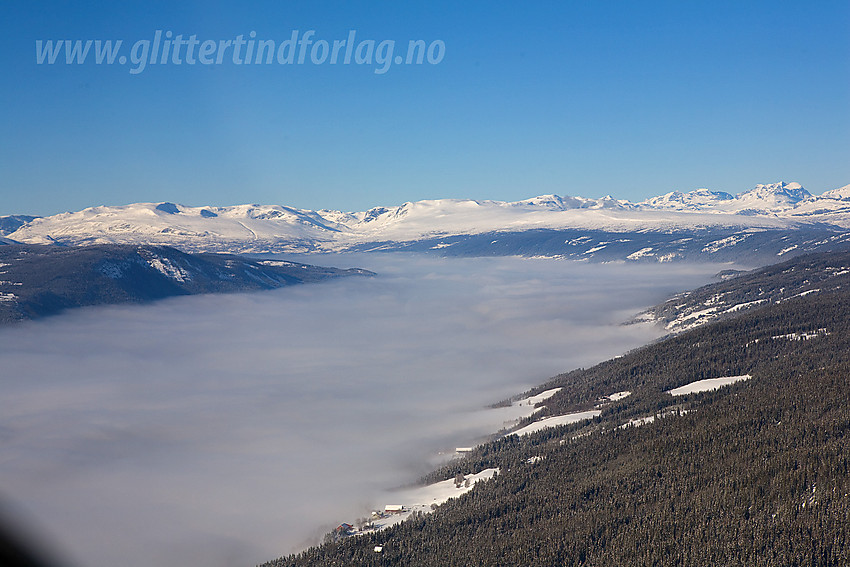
[(774, 219)]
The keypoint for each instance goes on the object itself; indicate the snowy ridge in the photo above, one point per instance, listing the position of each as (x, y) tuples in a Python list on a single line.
[(278, 228), (841, 194)]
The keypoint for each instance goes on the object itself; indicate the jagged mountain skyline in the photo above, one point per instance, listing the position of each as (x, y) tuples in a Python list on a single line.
[(280, 228)]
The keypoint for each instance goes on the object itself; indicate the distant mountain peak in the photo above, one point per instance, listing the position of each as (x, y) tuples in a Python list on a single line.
[(698, 199), (842, 193), (553, 202), (719, 195), (780, 193)]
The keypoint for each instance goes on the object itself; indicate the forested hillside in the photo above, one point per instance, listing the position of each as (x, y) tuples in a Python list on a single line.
[(756, 474), (39, 280), (804, 275)]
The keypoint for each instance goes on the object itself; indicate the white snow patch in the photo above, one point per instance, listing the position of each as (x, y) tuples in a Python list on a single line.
[(717, 245), (615, 397), (807, 292), (420, 499), (555, 421), (697, 316), (706, 385), (534, 400), (640, 253), (168, 268), (638, 421), (716, 298), (803, 336), (740, 306)]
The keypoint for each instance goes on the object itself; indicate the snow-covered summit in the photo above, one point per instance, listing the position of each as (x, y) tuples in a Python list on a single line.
[(697, 200), (764, 199), (773, 196), (558, 203), (842, 193), (552, 202)]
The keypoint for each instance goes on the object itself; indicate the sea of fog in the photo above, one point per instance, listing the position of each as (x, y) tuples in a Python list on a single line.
[(231, 429)]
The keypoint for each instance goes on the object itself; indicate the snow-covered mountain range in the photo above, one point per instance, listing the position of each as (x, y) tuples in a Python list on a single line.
[(460, 226)]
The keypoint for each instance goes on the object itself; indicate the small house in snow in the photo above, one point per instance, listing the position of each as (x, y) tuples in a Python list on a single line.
[(394, 508)]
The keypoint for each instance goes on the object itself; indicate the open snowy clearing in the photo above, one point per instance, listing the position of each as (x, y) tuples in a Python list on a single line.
[(638, 421), (534, 400), (420, 499), (706, 385), (555, 421)]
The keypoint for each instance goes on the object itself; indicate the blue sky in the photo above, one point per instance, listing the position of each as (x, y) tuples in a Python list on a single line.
[(631, 99)]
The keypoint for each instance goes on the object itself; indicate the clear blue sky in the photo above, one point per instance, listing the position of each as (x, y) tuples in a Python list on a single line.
[(631, 99)]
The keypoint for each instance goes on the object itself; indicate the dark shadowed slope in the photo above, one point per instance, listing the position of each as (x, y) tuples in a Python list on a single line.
[(11, 223)]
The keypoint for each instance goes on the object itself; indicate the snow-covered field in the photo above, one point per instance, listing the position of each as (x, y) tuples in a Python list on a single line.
[(422, 498), (638, 421), (536, 399), (555, 421), (706, 385), (617, 396), (228, 430)]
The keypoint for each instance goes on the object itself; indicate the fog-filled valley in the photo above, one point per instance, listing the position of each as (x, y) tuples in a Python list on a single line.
[(230, 429)]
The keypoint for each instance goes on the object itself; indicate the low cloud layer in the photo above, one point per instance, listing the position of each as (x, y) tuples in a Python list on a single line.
[(228, 430)]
